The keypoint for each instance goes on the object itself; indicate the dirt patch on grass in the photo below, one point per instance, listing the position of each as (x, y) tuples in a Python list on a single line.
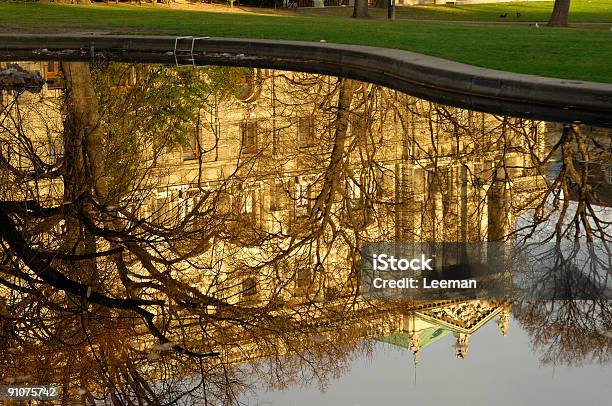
[(14, 28), (211, 8)]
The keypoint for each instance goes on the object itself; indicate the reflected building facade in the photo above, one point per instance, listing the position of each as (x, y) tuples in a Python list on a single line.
[(246, 218), (293, 153), (289, 159)]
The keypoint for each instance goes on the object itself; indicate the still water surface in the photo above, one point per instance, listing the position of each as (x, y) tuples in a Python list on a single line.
[(194, 236)]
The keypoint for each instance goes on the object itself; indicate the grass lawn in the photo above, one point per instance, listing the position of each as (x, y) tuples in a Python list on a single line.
[(581, 11), (573, 53)]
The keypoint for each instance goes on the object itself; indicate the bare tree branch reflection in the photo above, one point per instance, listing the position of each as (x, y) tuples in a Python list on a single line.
[(168, 234), (570, 332)]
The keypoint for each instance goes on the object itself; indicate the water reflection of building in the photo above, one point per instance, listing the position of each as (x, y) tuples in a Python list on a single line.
[(40, 120), (413, 327), (431, 322), (410, 170), (434, 173)]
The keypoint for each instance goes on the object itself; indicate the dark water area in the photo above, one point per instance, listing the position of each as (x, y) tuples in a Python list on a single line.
[(196, 236)]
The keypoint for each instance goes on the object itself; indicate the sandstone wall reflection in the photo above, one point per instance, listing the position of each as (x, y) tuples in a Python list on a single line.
[(164, 228)]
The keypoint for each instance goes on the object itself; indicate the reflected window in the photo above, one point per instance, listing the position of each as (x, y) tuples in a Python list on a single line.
[(331, 293), (249, 136), (53, 75), (278, 197), (304, 278), (247, 87), (354, 189), (52, 69), (56, 151), (187, 202), (248, 204), (302, 194), (189, 147), (306, 132), (249, 287), (225, 203)]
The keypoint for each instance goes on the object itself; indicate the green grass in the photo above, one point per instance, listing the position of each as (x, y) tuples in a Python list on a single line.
[(582, 11), (574, 53)]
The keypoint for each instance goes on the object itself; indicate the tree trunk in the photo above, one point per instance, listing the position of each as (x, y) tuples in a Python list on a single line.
[(381, 3), (360, 9), (83, 124), (331, 183), (83, 161), (560, 14)]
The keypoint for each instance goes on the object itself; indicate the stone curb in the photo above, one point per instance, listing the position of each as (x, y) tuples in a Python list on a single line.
[(394, 68)]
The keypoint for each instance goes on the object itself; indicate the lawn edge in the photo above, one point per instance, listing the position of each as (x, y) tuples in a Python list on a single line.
[(422, 75)]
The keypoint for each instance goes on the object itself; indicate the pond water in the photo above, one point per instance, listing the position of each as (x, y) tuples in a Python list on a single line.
[(200, 235)]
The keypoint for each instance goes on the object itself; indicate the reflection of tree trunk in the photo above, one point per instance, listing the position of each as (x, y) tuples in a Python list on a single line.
[(360, 10), (84, 172), (560, 14), (332, 175), (498, 211), (83, 123)]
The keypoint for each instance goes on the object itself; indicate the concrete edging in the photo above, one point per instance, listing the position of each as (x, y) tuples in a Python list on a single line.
[(402, 70)]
